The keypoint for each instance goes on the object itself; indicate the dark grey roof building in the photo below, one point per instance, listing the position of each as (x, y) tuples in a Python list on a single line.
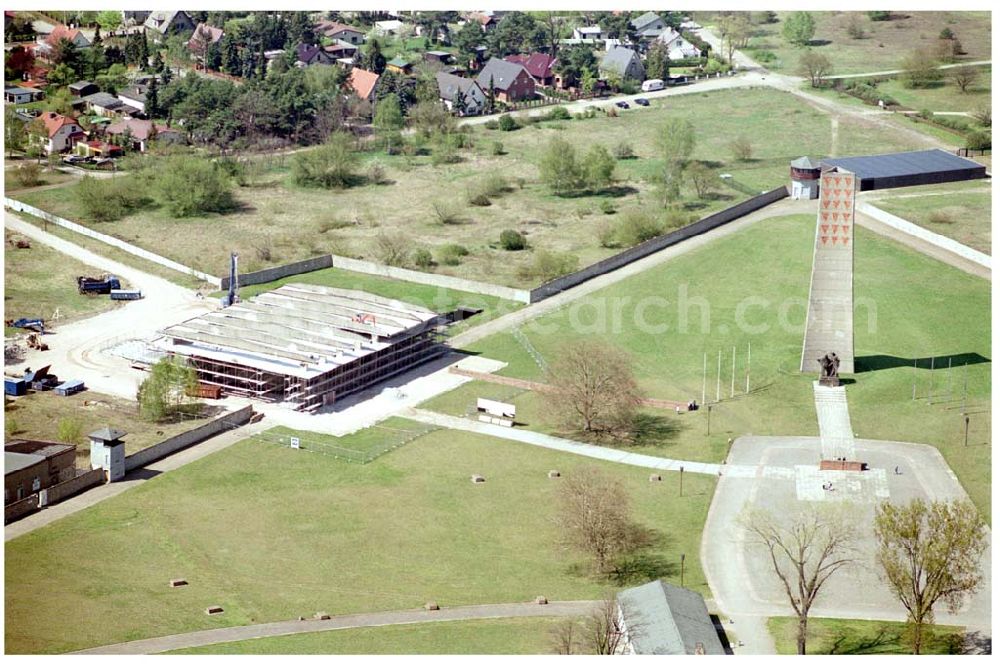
[(624, 62), (660, 618), (919, 167), (503, 74)]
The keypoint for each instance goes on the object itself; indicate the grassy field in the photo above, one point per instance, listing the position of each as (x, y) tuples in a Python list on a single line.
[(964, 216), (39, 280), (39, 415), (294, 223), (703, 291), (884, 45), (509, 636), (944, 96), (11, 184), (828, 636), (363, 447), (271, 533)]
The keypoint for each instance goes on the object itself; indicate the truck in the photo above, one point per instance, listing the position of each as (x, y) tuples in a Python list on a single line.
[(101, 285), (125, 294), (649, 85)]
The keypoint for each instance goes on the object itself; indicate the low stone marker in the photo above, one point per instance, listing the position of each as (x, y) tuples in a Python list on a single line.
[(541, 601), (177, 582), (476, 478), (655, 477), (321, 616), (213, 610), (431, 606), (554, 474)]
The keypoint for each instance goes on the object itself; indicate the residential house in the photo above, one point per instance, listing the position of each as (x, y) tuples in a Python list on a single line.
[(135, 97), (539, 66), (74, 35), (662, 619), (449, 86), (648, 26), (442, 57), (399, 65), (363, 83), (312, 54), (624, 63), (162, 24), (62, 132), (486, 21), (31, 465), (204, 36), (340, 50), (386, 28), (105, 105), (83, 88), (511, 81), (17, 95), (334, 30), (588, 32), (140, 132), (678, 48), (130, 19), (98, 148)]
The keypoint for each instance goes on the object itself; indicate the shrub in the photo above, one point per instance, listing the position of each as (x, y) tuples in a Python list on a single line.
[(558, 113), (422, 258), (763, 56), (741, 149), (546, 266), (607, 207), (392, 250), (635, 227), (880, 16), (376, 173), (941, 217), (29, 174), (984, 116), (607, 235), (476, 197), (330, 165), (332, 225), (107, 199), (512, 241), (623, 150), (978, 141), (187, 185), (493, 184), (445, 212), (507, 123), (496, 148), (70, 431), (451, 254), (491, 124), (11, 426)]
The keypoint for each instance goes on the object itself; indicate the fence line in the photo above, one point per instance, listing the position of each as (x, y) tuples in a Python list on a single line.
[(185, 439), (109, 240), (917, 231)]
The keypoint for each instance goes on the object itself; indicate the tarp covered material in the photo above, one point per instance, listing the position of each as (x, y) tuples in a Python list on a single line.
[(920, 167)]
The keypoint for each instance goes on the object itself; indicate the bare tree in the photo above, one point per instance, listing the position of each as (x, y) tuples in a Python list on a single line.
[(735, 28), (805, 550), (930, 552), (593, 389), (815, 66), (741, 149), (964, 76), (564, 637), (595, 515), (604, 629), (702, 178)]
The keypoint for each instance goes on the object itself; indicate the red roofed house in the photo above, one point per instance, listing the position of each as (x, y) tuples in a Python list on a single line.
[(141, 131), (62, 132), (97, 148), (363, 83), (72, 34), (539, 65)]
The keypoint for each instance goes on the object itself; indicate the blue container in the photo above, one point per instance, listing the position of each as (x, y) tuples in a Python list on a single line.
[(14, 386), (70, 387)]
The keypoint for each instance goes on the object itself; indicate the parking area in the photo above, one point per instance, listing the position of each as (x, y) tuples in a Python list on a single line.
[(781, 475)]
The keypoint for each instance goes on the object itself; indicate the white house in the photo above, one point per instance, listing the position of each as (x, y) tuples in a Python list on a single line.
[(649, 25), (677, 47), (588, 32), (16, 95), (385, 28), (62, 132)]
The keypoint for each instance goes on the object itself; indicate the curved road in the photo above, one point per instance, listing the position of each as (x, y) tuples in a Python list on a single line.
[(252, 631)]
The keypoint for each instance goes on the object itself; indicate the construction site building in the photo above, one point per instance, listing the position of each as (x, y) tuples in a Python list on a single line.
[(305, 345)]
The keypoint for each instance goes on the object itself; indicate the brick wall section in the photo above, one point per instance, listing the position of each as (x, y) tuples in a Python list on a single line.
[(61, 491), (19, 509), (656, 244), (19, 206), (201, 433), (278, 272)]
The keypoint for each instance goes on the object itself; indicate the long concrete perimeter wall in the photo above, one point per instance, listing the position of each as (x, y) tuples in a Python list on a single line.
[(168, 446), (22, 207), (61, 491), (917, 231), (656, 244), (277, 272)]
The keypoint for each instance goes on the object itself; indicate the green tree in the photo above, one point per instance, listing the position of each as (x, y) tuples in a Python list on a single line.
[(814, 66), (558, 167), (15, 136), (658, 62), (187, 185), (332, 165), (468, 37), (920, 69), (166, 389), (598, 167), (153, 100), (573, 62), (930, 553), (61, 75), (109, 19), (389, 120), (373, 60), (799, 28), (674, 141)]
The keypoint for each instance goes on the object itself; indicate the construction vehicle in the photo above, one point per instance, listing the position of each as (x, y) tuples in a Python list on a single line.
[(35, 324), (101, 285), (125, 294), (35, 343)]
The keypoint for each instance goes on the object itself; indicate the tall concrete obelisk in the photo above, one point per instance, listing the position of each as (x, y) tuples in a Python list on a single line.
[(830, 318)]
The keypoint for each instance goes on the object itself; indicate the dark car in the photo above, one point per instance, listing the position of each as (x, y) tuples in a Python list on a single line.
[(621, 105), (74, 159), (642, 101)]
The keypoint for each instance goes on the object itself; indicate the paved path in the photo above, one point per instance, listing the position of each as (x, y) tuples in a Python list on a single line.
[(135, 477), (835, 433), (560, 444), (890, 72), (248, 632)]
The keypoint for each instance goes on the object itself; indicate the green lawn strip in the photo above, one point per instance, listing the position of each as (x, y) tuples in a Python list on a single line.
[(705, 288), (964, 216), (507, 636), (944, 95), (39, 280), (362, 447), (12, 185), (114, 253), (438, 299), (271, 533), (829, 636), (39, 415)]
